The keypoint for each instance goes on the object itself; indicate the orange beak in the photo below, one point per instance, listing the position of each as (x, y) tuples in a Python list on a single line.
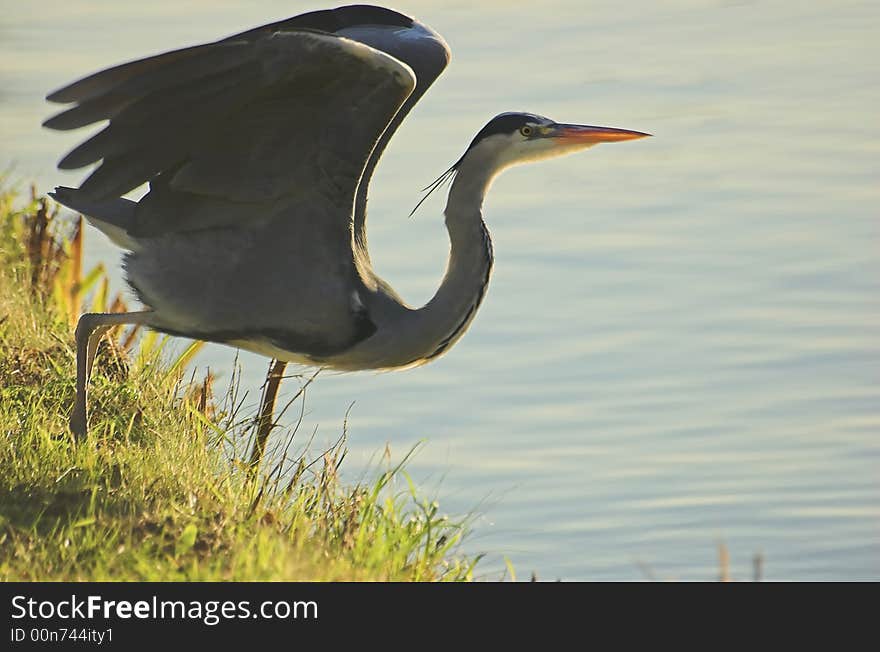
[(587, 135)]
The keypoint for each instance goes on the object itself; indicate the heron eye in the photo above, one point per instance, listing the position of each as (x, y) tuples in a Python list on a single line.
[(525, 130)]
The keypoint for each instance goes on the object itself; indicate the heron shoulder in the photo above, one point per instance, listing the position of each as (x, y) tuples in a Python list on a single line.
[(329, 50)]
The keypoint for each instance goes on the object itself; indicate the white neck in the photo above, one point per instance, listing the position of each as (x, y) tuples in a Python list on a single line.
[(445, 318), (408, 337)]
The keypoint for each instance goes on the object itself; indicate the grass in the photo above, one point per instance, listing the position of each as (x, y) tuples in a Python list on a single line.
[(160, 489)]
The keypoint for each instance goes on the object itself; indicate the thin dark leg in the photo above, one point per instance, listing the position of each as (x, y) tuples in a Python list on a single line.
[(89, 330), (267, 410)]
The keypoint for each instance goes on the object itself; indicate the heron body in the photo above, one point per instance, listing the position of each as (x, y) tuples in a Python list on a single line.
[(258, 150)]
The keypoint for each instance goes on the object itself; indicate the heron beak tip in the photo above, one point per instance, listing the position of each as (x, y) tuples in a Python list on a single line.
[(592, 135)]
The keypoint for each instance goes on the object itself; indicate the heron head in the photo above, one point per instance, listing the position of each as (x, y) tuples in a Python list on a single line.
[(513, 138)]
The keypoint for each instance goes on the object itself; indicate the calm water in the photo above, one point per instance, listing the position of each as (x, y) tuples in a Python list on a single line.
[(680, 344)]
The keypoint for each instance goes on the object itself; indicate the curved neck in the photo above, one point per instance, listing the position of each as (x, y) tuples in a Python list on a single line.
[(409, 337), (446, 317)]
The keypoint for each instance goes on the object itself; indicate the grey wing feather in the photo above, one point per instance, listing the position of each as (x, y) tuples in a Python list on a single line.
[(105, 94), (112, 216), (423, 50), (112, 79), (116, 210)]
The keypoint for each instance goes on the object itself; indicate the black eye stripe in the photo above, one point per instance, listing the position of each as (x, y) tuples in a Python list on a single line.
[(506, 123)]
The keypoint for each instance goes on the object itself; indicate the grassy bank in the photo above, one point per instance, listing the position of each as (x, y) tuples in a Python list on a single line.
[(154, 493)]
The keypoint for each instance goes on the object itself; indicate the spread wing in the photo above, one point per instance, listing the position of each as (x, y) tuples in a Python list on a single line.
[(276, 126), (244, 121), (290, 105)]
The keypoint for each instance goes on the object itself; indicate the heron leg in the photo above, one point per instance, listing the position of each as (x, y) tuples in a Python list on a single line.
[(267, 409), (89, 330)]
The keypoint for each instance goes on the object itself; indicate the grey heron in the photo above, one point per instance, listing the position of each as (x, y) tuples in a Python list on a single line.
[(258, 150)]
